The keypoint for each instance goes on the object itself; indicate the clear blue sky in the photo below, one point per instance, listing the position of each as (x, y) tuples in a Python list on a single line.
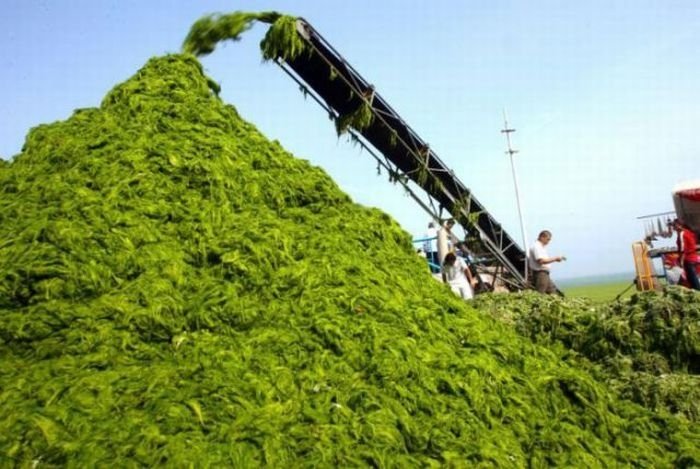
[(604, 96)]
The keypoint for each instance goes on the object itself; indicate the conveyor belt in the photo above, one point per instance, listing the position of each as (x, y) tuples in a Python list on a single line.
[(341, 90)]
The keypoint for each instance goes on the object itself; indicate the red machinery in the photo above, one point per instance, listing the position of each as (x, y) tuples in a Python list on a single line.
[(686, 201)]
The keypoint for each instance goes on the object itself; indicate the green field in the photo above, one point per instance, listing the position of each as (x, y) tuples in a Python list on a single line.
[(600, 292)]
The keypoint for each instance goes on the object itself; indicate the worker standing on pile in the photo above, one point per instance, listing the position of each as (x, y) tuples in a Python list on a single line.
[(688, 252), (539, 263)]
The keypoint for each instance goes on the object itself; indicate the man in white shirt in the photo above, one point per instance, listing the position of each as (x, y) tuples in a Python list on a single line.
[(539, 263), (456, 274)]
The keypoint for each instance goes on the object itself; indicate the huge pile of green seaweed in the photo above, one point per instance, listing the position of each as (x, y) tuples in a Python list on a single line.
[(175, 289)]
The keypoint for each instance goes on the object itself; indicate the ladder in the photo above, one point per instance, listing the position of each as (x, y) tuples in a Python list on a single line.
[(642, 266)]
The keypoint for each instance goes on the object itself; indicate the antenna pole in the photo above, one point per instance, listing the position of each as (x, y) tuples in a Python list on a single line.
[(506, 130)]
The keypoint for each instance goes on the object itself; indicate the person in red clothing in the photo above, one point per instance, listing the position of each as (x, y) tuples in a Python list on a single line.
[(688, 252)]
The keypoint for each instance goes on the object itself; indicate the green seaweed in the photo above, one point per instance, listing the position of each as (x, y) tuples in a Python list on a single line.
[(648, 346), (282, 40), (209, 30), (177, 290), (359, 119)]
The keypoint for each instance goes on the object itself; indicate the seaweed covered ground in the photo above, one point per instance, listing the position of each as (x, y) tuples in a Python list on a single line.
[(176, 289), (646, 347)]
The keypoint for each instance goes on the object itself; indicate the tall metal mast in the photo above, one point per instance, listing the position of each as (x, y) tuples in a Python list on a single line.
[(510, 154)]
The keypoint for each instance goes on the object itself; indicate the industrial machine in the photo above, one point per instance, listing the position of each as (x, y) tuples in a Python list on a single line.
[(657, 227)]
